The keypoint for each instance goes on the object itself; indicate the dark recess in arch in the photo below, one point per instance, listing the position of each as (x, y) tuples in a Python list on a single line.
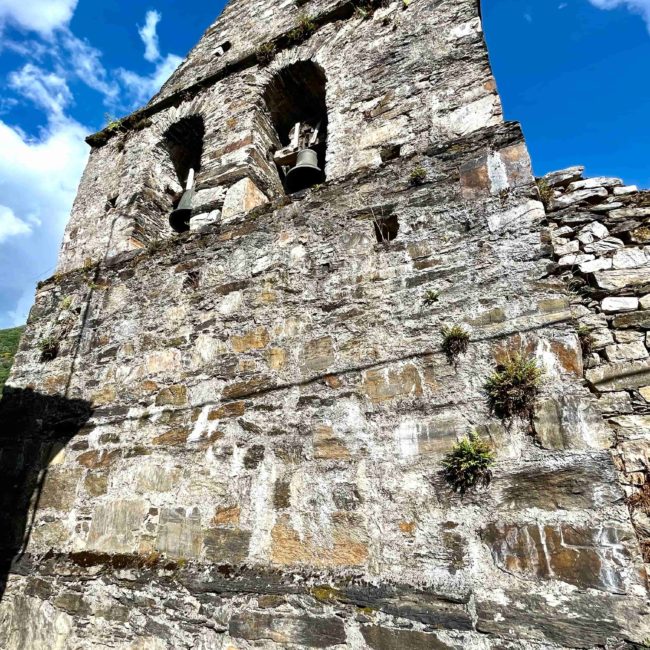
[(184, 142), (297, 93)]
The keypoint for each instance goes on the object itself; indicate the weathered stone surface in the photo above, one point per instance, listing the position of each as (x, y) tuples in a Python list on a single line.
[(569, 488), (329, 446), (630, 258), (382, 638), (306, 631), (226, 545), (620, 279), (570, 423), (172, 396), (564, 177), (242, 197), (639, 319), (115, 525), (596, 182), (179, 533), (580, 556), (538, 619), (612, 305), (626, 351), (59, 489), (579, 196), (348, 547), (391, 383), (618, 376), (626, 213)]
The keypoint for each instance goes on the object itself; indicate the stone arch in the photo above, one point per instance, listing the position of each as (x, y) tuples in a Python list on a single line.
[(295, 94)]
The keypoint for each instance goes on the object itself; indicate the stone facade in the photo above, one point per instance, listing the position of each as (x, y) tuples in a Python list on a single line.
[(232, 438)]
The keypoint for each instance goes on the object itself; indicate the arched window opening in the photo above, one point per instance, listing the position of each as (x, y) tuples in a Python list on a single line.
[(295, 98), (184, 143)]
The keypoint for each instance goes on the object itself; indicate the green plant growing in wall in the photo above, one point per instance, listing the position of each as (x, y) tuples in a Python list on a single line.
[(455, 341), (113, 123), (586, 339), (9, 341), (66, 303), (265, 54), (545, 193), (417, 176), (49, 347), (431, 297), (513, 387), (468, 464), (304, 28)]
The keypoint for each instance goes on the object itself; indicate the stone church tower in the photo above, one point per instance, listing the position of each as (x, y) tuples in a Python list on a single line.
[(227, 433)]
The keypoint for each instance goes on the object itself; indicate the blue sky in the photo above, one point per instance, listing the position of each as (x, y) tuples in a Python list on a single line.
[(574, 72)]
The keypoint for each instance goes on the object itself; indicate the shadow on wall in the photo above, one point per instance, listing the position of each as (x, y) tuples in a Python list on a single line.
[(34, 429)]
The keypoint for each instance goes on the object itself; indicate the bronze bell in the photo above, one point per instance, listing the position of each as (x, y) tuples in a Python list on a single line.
[(179, 219), (306, 172)]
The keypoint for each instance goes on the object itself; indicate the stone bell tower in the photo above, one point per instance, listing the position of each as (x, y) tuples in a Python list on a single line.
[(226, 423)]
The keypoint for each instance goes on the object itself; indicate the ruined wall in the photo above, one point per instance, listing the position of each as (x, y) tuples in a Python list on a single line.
[(600, 232), (233, 438)]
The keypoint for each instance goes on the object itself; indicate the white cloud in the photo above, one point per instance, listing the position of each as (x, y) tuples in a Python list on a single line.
[(142, 88), (47, 90), (85, 63), (641, 7), (149, 36), (39, 173), (38, 182), (43, 16), (11, 225)]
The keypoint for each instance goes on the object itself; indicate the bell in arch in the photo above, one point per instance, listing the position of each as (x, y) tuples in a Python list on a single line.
[(179, 219), (306, 171)]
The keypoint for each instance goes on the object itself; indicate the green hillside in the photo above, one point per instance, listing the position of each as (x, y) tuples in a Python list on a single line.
[(9, 340)]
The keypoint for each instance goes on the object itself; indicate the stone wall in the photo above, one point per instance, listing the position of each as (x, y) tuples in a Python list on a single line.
[(233, 438), (600, 232), (401, 78)]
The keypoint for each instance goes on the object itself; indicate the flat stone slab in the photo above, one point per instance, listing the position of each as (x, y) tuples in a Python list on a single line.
[(619, 376)]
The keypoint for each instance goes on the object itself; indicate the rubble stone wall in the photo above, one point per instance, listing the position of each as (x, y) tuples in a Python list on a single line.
[(600, 232), (233, 438)]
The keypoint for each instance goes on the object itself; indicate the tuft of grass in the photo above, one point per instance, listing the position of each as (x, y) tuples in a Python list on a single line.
[(66, 303), (417, 176), (49, 347), (431, 297), (586, 340), (265, 54), (545, 193), (9, 340), (304, 28), (513, 386), (455, 341), (468, 464), (113, 124)]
